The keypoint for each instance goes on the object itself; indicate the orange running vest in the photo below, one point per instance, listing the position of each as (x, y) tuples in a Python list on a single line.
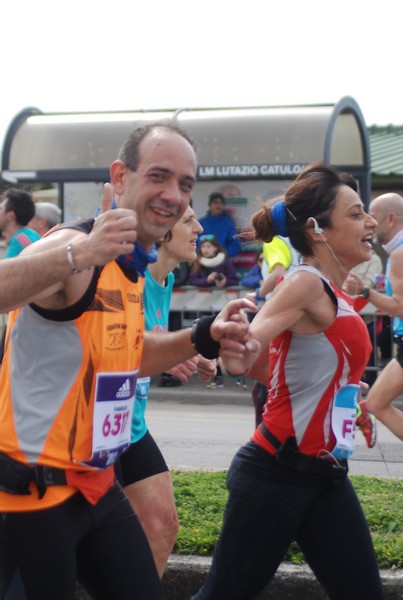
[(49, 377)]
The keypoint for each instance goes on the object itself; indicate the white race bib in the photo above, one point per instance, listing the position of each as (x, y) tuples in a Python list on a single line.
[(344, 415), (112, 417)]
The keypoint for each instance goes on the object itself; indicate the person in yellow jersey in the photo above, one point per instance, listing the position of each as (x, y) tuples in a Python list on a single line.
[(67, 385), (278, 258)]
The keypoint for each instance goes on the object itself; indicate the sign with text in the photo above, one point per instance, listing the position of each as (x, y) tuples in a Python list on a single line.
[(273, 171)]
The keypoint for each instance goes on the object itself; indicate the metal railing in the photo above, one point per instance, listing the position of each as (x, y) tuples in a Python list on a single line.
[(189, 303)]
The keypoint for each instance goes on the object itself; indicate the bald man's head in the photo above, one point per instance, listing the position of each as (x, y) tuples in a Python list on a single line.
[(387, 209), (389, 202)]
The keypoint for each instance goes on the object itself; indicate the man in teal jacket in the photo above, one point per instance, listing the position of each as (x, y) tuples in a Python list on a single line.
[(16, 210)]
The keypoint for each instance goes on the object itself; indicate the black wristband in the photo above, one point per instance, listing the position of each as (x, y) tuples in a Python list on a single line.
[(202, 340), (365, 293)]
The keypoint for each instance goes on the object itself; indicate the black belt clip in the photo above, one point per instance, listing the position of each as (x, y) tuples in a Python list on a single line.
[(15, 477), (45, 476)]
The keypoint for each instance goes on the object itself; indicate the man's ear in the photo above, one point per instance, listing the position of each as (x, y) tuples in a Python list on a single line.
[(392, 219), (10, 216), (117, 173)]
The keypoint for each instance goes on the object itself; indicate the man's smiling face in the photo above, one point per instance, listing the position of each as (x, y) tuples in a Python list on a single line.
[(160, 189)]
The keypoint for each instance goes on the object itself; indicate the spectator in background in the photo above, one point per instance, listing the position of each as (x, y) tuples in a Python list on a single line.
[(253, 279), (218, 223), (212, 266), (181, 273), (368, 271), (16, 210), (47, 215)]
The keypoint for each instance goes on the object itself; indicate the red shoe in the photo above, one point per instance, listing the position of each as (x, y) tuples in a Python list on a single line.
[(367, 423)]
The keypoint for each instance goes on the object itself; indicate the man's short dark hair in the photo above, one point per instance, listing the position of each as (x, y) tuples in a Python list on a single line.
[(129, 152), (214, 196), (21, 203)]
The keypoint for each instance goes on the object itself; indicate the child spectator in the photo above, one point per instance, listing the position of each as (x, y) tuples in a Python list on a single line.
[(212, 266)]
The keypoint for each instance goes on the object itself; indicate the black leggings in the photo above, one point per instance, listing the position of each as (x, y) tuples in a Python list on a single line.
[(269, 505), (102, 546)]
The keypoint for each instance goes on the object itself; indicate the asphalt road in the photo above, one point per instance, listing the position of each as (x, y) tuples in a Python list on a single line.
[(198, 428)]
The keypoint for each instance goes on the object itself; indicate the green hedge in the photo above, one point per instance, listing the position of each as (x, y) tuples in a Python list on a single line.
[(201, 497)]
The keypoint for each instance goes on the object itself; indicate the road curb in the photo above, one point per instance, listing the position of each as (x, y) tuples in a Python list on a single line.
[(196, 392), (185, 574)]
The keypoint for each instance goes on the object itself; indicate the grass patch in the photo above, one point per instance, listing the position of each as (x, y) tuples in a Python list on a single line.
[(201, 497)]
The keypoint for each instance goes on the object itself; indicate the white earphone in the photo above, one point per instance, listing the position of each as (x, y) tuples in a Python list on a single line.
[(316, 227)]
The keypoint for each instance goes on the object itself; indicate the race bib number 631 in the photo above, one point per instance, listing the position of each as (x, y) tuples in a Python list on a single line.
[(113, 410)]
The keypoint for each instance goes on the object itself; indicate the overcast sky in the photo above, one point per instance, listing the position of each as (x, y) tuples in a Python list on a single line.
[(90, 55)]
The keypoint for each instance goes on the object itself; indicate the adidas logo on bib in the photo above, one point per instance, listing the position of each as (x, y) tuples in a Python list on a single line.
[(124, 390)]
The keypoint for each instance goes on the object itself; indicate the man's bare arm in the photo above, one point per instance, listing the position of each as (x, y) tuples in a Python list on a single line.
[(391, 305), (23, 277), (161, 352)]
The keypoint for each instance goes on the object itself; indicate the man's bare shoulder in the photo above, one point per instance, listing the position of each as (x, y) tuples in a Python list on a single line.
[(396, 262)]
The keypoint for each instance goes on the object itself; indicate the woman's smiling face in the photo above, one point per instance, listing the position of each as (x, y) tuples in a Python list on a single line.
[(182, 244), (352, 229)]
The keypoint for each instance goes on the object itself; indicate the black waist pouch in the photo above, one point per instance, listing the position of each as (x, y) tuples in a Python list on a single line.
[(289, 455), (15, 477)]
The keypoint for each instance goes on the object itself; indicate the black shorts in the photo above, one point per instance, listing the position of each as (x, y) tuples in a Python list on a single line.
[(141, 460), (399, 352)]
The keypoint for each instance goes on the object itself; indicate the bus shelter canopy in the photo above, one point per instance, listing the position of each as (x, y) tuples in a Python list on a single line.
[(232, 143)]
